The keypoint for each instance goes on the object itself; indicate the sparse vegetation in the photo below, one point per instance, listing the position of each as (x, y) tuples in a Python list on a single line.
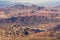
[(23, 22)]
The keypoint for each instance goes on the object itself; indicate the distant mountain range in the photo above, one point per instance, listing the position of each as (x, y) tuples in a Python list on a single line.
[(8, 3)]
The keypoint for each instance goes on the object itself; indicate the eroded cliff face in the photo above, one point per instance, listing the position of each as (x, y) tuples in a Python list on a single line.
[(29, 14), (29, 10)]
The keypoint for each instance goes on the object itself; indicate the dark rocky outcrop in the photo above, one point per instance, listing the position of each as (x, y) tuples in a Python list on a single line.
[(26, 20), (57, 28)]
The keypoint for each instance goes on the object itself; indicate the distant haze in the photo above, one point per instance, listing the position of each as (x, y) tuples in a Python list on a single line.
[(33, 1)]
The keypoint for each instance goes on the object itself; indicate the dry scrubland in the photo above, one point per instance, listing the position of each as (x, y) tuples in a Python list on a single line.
[(23, 22), (16, 32)]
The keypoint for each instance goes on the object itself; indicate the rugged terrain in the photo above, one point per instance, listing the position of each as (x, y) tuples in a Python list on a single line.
[(30, 22)]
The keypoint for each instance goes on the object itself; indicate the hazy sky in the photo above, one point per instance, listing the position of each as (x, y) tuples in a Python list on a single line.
[(33, 1)]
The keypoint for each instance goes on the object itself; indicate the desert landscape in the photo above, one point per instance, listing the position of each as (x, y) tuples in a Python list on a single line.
[(30, 22)]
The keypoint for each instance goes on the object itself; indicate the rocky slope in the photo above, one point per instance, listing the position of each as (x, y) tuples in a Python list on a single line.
[(22, 22)]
